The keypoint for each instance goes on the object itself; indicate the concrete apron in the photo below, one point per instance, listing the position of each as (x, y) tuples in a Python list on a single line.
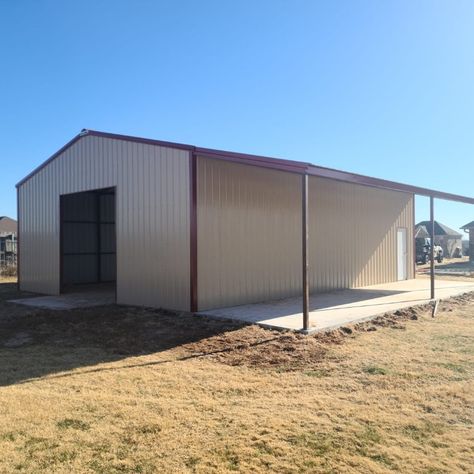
[(334, 309), (69, 301)]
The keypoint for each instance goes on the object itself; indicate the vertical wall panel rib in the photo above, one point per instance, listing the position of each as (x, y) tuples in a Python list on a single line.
[(152, 220)]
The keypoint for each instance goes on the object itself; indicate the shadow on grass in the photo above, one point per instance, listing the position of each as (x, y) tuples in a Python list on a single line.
[(35, 342)]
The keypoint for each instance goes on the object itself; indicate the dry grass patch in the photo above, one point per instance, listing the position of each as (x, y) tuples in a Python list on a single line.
[(118, 389)]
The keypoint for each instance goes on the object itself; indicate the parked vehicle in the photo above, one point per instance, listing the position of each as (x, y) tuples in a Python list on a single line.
[(423, 251)]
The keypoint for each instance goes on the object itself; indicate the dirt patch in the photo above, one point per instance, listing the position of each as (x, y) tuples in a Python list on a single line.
[(253, 346), (116, 329), (122, 331)]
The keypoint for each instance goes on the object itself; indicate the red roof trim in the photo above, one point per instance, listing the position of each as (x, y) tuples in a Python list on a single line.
[(267, 162), (129, 138), (470, 225), (384, 184), (243, 160)]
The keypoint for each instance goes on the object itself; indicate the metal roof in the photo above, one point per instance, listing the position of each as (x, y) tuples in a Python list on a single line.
[(7, 224), (440, 229), (468, 226), (421, 232), (267, 162)]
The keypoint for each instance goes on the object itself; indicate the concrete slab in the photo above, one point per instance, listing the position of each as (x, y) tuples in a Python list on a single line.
[(454, 266), (338, 308), (69, 301)]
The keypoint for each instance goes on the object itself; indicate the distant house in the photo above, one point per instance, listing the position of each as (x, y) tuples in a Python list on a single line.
[(8, 241), (448, 239), (470, 229), (8, 225), (421, 232), (465, 247)]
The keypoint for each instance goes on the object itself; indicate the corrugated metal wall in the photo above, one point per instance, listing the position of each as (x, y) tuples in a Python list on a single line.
[(249, 226), (152, 192), (249, 234), (353, 232)]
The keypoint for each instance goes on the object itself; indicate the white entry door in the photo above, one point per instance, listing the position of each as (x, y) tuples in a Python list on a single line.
[(402, 253)]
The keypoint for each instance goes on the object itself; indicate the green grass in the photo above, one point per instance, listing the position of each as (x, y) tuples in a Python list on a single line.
[(71, 423), (374, 370)]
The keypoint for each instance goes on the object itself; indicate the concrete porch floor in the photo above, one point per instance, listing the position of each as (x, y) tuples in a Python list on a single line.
[(80, 299), (338, 308)]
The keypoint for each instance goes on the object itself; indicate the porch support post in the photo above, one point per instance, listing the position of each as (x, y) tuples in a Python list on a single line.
[(432, 235), (304, 232)]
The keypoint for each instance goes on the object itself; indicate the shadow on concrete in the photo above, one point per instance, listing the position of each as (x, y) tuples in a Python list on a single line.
[(36, 342), (322, 301), (258, 312)]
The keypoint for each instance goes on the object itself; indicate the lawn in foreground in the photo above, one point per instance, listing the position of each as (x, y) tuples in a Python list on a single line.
[(119, 389)]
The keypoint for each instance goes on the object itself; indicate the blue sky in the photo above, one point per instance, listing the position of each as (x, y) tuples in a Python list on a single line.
[(379, 88)]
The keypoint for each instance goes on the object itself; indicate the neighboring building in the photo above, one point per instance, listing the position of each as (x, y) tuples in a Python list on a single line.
[(8, 250), (470, 229), (422, 245), (421, 232), (8, 225), (465, 247), (187, 228), (8, 241), (448, 239)]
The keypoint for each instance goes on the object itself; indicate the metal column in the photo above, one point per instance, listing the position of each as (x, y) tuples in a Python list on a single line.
[(304, 231), (432, 235)]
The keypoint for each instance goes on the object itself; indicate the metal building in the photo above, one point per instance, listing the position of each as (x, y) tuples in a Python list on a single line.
[(189, 228), (469, 228), (448, 239), (8, 241)]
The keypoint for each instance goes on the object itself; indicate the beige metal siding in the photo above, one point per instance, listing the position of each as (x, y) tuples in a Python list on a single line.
[(353, 232), (249, 234), (152, 217)]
